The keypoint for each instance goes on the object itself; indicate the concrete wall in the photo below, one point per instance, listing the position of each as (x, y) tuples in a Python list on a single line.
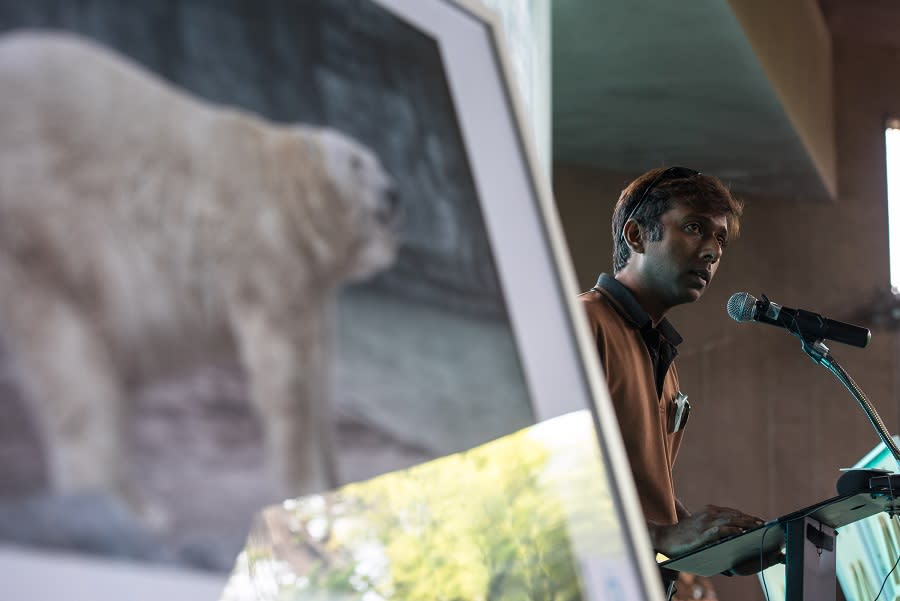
[(769, 428)]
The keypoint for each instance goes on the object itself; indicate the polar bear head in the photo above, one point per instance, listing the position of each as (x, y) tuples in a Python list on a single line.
[(352, 206)]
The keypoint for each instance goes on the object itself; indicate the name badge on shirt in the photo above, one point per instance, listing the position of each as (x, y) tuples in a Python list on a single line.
[(680, 416)]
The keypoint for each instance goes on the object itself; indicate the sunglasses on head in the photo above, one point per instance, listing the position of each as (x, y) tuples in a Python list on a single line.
[(673, 172)]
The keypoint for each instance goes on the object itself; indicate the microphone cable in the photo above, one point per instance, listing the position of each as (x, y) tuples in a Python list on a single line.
[(884, 582), (762, 572)]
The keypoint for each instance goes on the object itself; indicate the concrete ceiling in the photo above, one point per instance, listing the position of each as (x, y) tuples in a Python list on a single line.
[(641, 83)]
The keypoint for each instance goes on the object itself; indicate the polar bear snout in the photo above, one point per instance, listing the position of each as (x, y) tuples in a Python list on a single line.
[(388, 212)]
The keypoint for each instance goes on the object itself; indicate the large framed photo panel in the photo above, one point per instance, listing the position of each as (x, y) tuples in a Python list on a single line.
[(553, 342), (532, 262), (252, 251)]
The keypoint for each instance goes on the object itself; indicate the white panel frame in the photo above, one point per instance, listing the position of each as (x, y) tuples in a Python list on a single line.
[(535, 270)]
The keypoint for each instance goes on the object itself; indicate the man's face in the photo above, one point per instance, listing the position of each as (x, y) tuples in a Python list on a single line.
[(678, 267)]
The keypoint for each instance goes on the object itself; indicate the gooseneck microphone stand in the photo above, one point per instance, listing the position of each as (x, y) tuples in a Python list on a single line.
[(810, 544), (819, 353)]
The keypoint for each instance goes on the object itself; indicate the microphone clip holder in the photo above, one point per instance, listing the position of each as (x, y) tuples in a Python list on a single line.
[(762, 304), (816, 349), (813, 346)]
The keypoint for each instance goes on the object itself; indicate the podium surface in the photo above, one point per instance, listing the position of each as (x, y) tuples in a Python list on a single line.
[(722, 555)]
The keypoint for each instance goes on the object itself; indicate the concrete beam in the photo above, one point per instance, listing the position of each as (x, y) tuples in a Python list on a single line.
[(793, 45)]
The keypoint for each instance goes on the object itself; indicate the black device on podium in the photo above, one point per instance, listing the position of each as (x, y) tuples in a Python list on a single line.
[(807, 536)]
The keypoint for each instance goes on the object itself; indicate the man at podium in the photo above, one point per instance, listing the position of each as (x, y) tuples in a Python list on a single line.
[(670, 228)]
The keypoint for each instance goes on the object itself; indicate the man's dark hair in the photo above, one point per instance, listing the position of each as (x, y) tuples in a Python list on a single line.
[(696, 190)]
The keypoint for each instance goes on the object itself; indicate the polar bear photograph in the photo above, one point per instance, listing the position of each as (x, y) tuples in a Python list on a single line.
[(237, 266), (123, 227)]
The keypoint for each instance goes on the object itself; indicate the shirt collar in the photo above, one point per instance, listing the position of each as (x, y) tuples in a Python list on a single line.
[(631, 310)]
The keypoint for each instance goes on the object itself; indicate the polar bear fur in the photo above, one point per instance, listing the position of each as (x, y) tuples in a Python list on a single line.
[(142, 228)]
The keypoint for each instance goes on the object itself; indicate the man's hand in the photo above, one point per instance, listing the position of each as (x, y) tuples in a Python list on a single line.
[(705, 526)]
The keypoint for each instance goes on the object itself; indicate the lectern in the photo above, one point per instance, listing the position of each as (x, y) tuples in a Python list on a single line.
[(808, 536)]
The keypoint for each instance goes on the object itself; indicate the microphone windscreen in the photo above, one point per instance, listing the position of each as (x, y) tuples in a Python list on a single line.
[(742, 307)]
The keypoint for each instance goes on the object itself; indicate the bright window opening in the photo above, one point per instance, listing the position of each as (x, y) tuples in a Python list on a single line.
[(892, 146)]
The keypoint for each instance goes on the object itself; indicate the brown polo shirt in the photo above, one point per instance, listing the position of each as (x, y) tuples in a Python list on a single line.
[(637, 360)]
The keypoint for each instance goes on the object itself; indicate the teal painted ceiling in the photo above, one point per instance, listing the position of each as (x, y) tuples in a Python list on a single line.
[(641, 83)]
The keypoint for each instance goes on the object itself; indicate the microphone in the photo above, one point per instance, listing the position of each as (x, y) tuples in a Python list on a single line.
[(743, 307)]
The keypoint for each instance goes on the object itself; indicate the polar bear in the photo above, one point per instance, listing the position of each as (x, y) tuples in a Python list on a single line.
[(142, 228)]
